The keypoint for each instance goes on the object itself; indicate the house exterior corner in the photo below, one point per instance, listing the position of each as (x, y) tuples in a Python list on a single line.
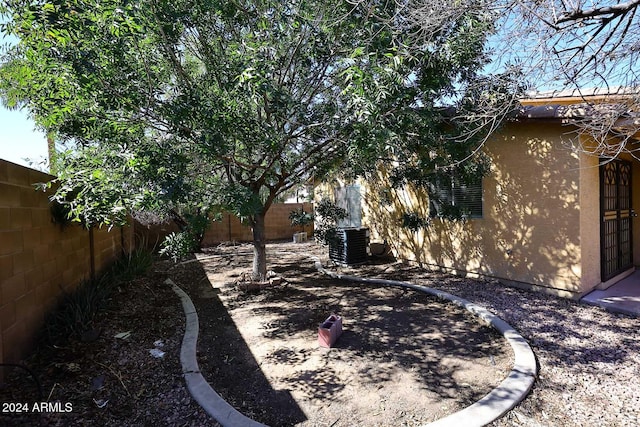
[(539, 227)]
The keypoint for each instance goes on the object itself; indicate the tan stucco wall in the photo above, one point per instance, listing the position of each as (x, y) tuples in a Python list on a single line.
[(531, 228), (590, 220), (635, 203)]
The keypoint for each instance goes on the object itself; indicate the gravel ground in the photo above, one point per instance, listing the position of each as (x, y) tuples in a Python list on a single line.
[(589, 359)]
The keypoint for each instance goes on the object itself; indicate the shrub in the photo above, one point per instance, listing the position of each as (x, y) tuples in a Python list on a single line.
[(327, 216), (300, 218), (178, 246), (132, 265), (76, 311)]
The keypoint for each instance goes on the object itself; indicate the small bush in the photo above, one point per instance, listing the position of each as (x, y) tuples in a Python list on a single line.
[(197, 227), (132, 265), (77, 309), (328, 214), (300, 218), (178, 246)]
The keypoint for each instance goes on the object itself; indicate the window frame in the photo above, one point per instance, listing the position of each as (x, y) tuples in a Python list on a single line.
[(468, 198)]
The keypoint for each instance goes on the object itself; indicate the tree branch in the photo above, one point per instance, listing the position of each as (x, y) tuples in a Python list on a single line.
[(596, 12)]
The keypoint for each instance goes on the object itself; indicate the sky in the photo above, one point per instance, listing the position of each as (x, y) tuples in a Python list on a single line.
[(19, 140)]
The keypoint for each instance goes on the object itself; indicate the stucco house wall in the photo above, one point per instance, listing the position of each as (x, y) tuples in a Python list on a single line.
[(540, 224), (589, 221)]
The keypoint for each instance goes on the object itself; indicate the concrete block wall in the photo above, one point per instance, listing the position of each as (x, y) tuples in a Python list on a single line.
[(151, 236), (277, 224), (39, 259), (230, 228), (280, 224), (109, 245)]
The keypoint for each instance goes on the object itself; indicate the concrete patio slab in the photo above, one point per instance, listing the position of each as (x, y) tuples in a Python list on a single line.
[(623, 297)]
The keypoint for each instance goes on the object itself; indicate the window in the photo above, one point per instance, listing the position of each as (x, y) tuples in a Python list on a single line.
[(451, 197)]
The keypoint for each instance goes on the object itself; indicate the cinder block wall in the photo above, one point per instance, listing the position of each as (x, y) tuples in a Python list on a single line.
[(230, 228), (39, 260), (277, 225)]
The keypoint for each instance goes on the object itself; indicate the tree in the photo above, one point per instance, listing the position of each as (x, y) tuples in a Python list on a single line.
[(204, 103), (579, 48), (576, 44), (584, 48), (557, 44)]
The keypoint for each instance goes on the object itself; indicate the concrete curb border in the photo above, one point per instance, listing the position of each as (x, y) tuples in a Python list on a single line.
[(511, 391), (199, 388)]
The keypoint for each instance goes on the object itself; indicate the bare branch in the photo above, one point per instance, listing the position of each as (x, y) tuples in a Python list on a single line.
[(597, 12)]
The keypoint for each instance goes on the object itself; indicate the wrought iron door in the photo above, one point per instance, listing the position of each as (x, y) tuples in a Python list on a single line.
[(615, 209)]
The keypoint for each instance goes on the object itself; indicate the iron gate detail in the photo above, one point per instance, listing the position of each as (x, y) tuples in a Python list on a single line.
[(615, 209)]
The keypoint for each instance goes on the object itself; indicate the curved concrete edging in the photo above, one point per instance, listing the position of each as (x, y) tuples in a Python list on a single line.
[(511, 391), (494, 405), (199, 388)]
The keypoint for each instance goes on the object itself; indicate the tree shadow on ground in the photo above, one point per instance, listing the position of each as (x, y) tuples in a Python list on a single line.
[(395, 328), (547, 322), (387, 332), (222, 354), (583, 345)]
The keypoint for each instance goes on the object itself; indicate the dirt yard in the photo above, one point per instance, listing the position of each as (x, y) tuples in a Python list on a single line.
[(404, 358)]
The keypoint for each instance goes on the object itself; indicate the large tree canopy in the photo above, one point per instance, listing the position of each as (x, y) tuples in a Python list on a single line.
[(574, 44), (573, 48), (203, 103), (557, 44), (582, 48)]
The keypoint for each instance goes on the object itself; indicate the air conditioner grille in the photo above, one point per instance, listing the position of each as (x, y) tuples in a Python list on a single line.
[(351, 246)]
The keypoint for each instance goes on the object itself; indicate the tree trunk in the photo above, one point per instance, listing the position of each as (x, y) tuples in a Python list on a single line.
[(259, 248), (51, 147)]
